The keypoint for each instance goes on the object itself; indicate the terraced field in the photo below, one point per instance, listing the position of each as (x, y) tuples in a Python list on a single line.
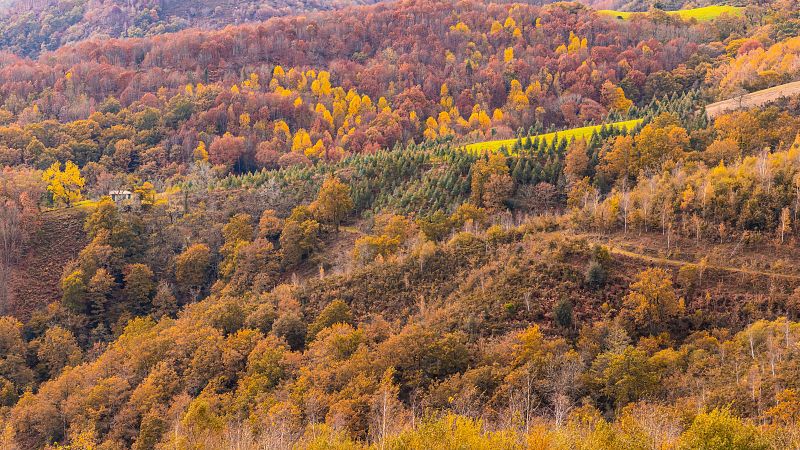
[(703, 14), (577, 133)]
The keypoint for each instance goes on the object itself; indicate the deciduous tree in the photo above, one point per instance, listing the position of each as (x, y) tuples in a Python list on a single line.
[(333, 202), (66, 185), (192, 267)]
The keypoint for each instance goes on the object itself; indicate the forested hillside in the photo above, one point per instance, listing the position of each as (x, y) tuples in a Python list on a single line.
[(476, 75), (411, 225), (30, 27)]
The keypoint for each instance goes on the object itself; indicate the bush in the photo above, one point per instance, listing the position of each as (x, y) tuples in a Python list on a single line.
[(292, 329), (719, 429), (563, 313), (595, 275), (262, 318), (226, 315), (337, 311), (688, 276)]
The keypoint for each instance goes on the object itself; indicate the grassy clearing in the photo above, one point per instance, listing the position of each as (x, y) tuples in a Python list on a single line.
[(85, 204), (577, 133), (703, 14)]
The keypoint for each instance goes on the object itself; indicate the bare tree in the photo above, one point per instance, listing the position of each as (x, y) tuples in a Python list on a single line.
[(387, 411)]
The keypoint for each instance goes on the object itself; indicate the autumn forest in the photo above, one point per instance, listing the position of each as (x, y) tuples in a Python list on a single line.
[(409, 224)]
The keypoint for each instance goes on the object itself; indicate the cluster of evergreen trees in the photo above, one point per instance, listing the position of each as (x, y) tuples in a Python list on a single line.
[(417, 178)]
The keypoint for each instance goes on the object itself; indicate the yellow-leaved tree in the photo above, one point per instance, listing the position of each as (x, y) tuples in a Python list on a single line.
[(200, 152), (508, 54), (65, 185), (652, 302), (333, 202), (301, 141), (614, 97), (147, 193)]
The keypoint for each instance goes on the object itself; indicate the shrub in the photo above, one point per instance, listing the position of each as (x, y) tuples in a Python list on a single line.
[(595, 275), (719, 429), (563, 313), (337, 311), (292, 329)]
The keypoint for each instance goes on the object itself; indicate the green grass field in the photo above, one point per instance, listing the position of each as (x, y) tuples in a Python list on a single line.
[(577, 133), (703, 14)]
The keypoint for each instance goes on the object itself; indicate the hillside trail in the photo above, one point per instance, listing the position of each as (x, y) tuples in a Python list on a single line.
[(753, 99), (615, 249)]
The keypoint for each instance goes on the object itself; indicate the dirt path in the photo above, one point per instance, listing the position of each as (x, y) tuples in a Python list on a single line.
[(752, 99), (615, 247), (679, 263)]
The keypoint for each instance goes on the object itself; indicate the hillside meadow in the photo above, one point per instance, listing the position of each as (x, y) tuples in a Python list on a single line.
[(701, 14), (568, 135)]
